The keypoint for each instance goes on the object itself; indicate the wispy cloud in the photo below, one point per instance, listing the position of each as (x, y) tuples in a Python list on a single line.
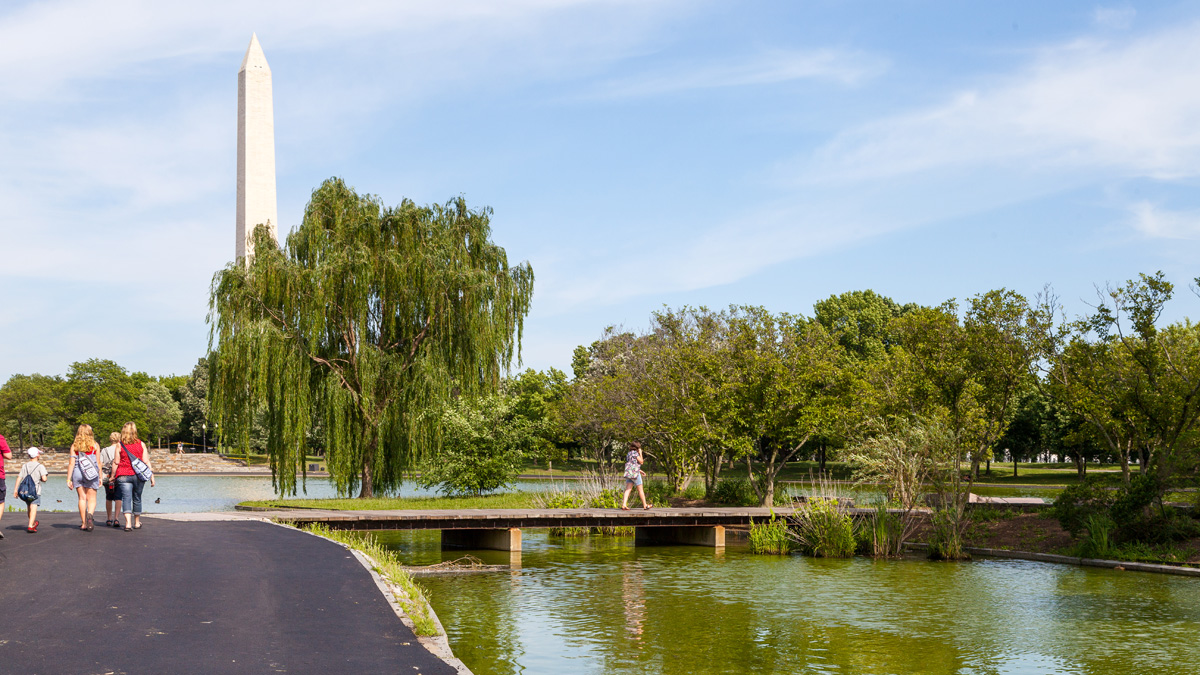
[(771, 67), (1121, 106), (47, 47), (1085, 112), (1159, 223)]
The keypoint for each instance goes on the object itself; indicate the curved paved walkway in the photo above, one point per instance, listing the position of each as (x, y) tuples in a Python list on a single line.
[(193, 597)]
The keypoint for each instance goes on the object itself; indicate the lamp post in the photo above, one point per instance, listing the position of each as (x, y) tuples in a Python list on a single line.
[(205, 437)]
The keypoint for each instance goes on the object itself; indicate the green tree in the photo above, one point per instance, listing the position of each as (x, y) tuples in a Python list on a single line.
[(29, 405), (369, 318), (194, 400), (162, 414), (1137, 385), (483, 443), (538, 396), (791, 385), (1002, 342), (860, 320), (103, 394)]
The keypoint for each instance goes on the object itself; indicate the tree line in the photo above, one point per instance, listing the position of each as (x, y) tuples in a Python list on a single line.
[(1001, 376), (45, 410)]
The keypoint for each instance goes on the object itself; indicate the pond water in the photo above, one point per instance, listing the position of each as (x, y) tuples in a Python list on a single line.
[(601, 605)]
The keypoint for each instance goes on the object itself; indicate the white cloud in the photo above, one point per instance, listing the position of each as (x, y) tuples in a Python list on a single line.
[(1129, 107), (46, 47), (1159, 223), (1086, 112), (772, 67)]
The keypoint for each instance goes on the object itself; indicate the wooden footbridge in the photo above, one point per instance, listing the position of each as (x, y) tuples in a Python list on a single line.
[(500, 529)]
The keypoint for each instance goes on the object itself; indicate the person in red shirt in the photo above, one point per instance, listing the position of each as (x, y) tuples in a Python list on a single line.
[(5, 453), (128, 483)]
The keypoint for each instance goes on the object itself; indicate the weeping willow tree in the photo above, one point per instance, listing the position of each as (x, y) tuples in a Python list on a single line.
[(366, 321)]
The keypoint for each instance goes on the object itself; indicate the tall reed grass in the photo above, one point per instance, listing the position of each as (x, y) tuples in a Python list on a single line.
[(771, 536)]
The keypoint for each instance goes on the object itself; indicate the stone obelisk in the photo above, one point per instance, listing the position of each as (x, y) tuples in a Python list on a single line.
[(256, 203)]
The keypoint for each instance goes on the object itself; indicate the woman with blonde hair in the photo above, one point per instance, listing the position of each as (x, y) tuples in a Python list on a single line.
[(83, 474), (129, 484)]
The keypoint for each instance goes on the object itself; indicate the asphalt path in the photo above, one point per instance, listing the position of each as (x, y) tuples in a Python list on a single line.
[(193, 597)]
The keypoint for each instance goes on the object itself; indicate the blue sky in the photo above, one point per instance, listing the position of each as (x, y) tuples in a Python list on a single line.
[(638, 154)]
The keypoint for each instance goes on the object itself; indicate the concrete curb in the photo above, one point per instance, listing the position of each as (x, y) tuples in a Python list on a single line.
[(1072, 560)]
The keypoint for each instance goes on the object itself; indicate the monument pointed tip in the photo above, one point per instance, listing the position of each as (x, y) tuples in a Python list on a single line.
[(254, 55)]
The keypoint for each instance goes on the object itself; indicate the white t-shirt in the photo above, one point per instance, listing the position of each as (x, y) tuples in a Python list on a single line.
[(32, 468), (107, 457)]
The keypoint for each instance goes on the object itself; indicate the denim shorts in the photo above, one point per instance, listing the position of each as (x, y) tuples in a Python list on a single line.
[(78, 481), (635, 481)]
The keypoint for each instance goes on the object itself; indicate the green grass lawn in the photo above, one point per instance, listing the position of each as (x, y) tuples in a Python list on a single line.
[(504, 500)]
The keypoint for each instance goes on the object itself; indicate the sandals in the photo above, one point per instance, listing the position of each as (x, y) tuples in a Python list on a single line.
[(128, 528), (91, 523)]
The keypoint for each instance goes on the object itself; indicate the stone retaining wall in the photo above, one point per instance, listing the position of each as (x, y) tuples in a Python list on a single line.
[(164, 462)]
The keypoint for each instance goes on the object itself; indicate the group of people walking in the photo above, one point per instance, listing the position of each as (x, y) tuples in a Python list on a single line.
[(123, 468)]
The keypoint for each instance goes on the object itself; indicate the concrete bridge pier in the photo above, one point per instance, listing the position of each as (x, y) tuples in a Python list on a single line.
[(696, 535), (508, 539)]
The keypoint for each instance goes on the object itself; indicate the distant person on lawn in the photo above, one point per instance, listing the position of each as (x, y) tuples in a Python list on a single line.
[(33, 468), (83, 474), (108, 465), (633, 475), (5, 453), (127, 481)]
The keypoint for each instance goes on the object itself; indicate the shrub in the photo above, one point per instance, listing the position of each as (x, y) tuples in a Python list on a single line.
[(1077, 502), (560, 500), (824, 529), (1130, 509), (733, 492), (657, 492), (770, 537)]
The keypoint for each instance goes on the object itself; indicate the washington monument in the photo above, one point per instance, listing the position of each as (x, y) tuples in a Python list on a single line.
[(255, 150)]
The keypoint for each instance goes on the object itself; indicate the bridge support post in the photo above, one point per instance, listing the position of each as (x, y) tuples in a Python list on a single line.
[(508, 539), (698, 535)]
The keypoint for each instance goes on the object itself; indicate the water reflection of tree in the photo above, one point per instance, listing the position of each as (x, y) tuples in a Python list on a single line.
[(479, 613)]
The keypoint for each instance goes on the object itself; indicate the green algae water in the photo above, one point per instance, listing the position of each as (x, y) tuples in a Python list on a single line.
[(601, 605)]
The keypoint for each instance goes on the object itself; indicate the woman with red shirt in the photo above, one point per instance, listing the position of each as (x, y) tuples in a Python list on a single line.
[(128, 483)]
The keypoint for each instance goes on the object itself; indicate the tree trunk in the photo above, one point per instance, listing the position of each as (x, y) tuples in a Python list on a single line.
[(989, 467), (367, 489), (1014, 466), (1080, 466), (1125, 464), (822, 456)]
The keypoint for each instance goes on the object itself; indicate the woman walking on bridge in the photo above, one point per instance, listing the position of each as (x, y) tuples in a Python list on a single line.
[(633, 475), (129, 484), (83, 474)]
